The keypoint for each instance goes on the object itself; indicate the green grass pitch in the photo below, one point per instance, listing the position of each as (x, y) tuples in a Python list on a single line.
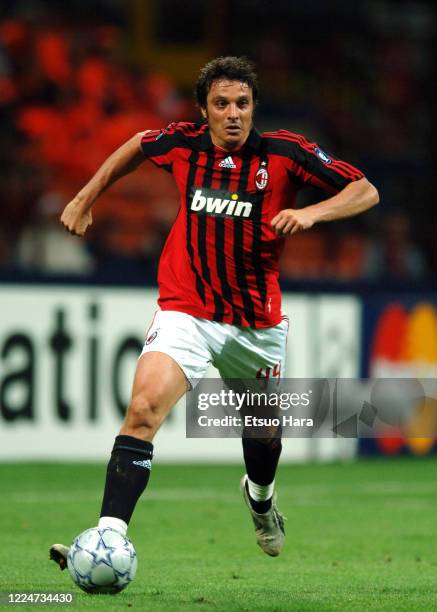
[(359, 536)]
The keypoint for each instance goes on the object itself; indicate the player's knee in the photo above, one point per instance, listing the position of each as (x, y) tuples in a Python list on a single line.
[(269, 436), (144, 411), (274, 437), (269, 441)]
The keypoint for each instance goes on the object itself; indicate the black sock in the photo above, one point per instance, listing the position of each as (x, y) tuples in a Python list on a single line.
[(261, 461), (126, 477)]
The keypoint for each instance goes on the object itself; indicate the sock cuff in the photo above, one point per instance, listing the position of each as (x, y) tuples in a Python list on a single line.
[(260, 492), (134, 445), (113, 523)]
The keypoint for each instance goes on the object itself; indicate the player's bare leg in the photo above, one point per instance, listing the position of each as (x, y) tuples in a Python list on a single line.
[(158, 384)]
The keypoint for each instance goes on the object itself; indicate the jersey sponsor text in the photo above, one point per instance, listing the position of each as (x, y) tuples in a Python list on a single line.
[(216, 202)]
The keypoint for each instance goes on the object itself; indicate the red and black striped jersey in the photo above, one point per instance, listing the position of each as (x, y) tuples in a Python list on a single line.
[(220, 260)]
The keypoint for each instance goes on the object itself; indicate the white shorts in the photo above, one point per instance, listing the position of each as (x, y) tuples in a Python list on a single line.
[(237, 352)]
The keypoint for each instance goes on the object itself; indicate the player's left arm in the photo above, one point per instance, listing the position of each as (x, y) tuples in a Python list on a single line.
[(353, 199)]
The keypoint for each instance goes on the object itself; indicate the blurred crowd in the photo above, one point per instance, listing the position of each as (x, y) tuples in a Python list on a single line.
[(68, 98), (67, 101)]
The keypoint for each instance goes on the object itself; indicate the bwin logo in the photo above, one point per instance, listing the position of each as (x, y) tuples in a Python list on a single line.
[(213, 205)]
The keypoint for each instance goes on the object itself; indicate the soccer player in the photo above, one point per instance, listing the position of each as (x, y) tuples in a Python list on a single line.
[(219, 298)]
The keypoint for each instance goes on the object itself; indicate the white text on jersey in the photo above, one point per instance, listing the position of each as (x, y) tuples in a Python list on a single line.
[(220, 206)]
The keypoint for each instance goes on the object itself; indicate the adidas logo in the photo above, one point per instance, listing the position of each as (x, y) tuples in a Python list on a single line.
[(146, 463), (227, 162)]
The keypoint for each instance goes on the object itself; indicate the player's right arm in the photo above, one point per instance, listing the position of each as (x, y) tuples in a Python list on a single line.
[(76, 216)]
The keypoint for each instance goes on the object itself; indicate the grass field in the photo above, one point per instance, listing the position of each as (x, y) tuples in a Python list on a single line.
[(359, 536)]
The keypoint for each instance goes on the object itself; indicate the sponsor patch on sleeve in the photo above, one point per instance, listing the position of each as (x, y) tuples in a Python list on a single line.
[(322, 156)]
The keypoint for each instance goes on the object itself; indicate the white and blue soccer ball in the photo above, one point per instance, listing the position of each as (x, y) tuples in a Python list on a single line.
[(102, 560)]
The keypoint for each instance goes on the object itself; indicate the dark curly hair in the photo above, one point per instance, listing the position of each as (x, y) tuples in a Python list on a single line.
[(232, 68)]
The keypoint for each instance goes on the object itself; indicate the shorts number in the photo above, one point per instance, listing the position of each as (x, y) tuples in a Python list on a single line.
[(270, 372)]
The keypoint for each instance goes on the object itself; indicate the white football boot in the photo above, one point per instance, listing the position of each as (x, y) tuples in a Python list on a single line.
[(269, 527)]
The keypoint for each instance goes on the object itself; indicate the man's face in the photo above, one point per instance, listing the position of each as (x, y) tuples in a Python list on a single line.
[(229, 111)]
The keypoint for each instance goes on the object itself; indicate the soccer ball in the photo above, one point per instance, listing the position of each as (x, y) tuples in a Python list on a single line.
[(102, 561)]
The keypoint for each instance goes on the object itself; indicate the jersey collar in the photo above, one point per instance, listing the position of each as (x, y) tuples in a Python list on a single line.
[(204, 141)]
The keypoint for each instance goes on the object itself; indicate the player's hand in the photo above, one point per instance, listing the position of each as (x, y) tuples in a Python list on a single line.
[(290, 221), (75, 220)]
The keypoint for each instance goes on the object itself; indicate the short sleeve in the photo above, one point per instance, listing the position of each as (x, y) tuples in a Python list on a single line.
[(159, 146), (311, 164)]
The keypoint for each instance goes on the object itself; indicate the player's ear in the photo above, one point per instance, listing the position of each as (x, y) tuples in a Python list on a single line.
[(204, 113)]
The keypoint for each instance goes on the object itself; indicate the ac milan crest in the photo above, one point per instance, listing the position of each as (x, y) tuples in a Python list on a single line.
[(262, 177), (151, 338)]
